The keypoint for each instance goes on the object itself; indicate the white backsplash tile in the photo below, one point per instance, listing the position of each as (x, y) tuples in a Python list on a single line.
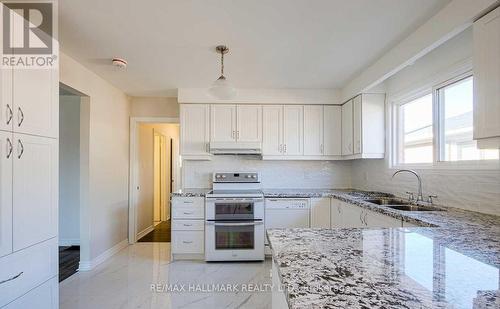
[(275, 174)]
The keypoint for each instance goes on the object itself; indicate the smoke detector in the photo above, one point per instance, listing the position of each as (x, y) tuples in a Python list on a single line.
[(119, 62)]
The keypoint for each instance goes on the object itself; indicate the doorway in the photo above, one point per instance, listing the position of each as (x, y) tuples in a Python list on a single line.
[(73, 152), (155, 168)]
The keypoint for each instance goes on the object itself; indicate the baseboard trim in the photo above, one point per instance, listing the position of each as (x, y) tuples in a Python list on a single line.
[(144, 232), (69, 242), (89, 265)]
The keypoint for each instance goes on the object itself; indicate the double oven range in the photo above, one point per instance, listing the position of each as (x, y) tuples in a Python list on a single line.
[(234, 218)]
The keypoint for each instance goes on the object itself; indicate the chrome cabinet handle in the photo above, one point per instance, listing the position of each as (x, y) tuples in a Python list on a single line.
[(21, 119), (188, 212), (10, 148), (237, 134), (188, 202), (187, 242), (20, 144), (235, 224), (364, 218), (233, 134), (185, 224), (321, 148), (280, 148), (11, 278), (284, 148), (10, 114), (339, 209)]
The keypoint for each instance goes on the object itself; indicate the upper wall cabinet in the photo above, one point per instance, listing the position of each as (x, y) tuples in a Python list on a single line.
[(487, 80), (195, 128), (313, 130), (283, 130), (363, 127), (332, 134), (322, 131), (236, 123)]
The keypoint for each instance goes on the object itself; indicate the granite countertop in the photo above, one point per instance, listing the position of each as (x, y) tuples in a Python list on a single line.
[(453, 260), (384, 268), (190, 192)]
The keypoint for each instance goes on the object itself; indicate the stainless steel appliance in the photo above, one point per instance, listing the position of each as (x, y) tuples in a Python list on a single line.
[(234, 218)]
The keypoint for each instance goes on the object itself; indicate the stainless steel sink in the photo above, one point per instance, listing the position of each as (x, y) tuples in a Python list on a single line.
[(413, 208), (387, 201)]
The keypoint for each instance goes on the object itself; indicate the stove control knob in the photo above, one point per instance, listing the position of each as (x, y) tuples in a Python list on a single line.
[(217, 176), (223, 176), (248, 176), (254, 176)]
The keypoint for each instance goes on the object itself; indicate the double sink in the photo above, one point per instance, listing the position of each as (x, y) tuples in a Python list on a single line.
[(399, 204)]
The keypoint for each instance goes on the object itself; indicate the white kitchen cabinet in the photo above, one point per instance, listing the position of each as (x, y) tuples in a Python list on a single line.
[(283, 129), (374, 219), (6, 159), (223, 123), (486, 57), (35, 187), (6, 103), (188, 226), (313, 130), (347, 128), (36, 102), (272, 130), (363, 127), (249, 123), (45, 296), (293, 130), (195, 128), (320, 212), (332, 124), (278, 297)]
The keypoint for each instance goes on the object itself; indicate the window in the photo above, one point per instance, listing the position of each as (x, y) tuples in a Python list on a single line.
[(455, 117), (438, 126), (416, 131)]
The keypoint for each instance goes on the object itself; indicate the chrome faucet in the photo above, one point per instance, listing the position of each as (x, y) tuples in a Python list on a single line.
[(420, 196)]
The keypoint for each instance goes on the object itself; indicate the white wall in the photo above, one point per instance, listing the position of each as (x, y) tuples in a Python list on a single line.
[(154, 107), (275, 174), (476, 190), (106, 221), (69, 170)]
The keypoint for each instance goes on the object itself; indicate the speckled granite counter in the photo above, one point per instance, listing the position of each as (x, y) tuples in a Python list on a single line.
[(385, 268), (190, 193)]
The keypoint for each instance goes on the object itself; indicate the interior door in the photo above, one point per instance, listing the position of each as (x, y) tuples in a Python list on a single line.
[(357, 129), (6, 154), (249, 123), (332, 130), (35, 187), (223, 123), (36, 111), (272, 128), (293, 130), (313, 130), (347, 129)]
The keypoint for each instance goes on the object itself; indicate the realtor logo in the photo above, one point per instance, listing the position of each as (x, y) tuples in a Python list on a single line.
[(27, 35)]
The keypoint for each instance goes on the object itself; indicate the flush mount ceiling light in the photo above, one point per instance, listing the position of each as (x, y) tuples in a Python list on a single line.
[(221, 88), (119, 62)]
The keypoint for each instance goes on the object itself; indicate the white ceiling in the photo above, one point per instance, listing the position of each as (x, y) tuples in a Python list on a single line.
[(273, 43)]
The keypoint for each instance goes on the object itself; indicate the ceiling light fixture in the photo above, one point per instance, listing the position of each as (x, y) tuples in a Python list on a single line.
[(221, 88), (119, 62)]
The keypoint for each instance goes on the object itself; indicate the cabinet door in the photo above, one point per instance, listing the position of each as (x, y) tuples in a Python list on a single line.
[(487, 76), (249, 123), (320, 212), (332, 130), (6, 154), (351, 216), (313, 130), (373, 219), (293, 130), (223, 123), (272, 130), (347, 126), (36, 110), (357, 129), (35, 185), (194, 129), (6, 112)]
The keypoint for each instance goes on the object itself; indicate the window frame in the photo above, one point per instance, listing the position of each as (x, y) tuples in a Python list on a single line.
[(395, 131)]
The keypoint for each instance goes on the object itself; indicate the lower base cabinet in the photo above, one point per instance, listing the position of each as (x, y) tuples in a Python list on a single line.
[(188, 227), (45, 296), (346, 215), (278, 295)]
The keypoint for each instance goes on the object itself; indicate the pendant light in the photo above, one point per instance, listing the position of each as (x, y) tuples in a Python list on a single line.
[(221, 88)]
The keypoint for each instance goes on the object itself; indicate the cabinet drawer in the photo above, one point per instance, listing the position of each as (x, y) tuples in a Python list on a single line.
[(45, 296), (187, 241), (34, 265), (188, 202), (188, 213), (188, 225)]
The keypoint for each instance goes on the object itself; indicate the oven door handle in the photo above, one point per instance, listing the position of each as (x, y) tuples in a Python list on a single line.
[(235, 223), (235, 201)]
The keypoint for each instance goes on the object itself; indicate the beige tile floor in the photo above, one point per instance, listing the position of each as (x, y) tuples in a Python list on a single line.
[(125, 281)]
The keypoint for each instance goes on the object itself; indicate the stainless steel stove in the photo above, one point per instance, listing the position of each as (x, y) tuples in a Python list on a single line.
[(234, 226)]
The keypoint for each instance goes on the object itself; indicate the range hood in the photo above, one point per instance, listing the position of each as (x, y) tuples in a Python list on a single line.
[(221, 148)]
